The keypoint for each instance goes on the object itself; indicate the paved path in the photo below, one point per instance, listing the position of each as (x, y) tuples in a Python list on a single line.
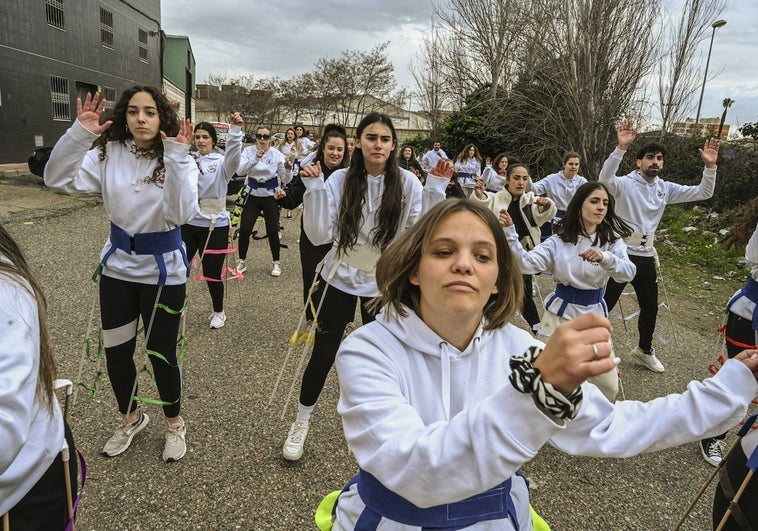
[(233, 476)]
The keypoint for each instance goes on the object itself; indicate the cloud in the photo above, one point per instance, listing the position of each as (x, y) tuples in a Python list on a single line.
[(286, 38)]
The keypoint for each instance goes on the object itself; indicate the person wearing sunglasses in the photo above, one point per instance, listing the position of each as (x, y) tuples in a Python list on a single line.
[(266, 173)]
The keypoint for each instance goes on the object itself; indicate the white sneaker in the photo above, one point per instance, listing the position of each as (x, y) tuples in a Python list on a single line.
[(175, 447), (293, 446), (241, 267), (217, 319), (277, 270), (122, 439), (649, 361)]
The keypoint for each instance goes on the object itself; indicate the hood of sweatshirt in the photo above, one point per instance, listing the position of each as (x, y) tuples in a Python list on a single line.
[(455, 369)]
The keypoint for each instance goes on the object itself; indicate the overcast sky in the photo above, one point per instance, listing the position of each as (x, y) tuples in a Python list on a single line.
[(286, 37)]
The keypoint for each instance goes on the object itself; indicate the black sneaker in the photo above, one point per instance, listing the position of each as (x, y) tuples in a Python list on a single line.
[(712, 450)]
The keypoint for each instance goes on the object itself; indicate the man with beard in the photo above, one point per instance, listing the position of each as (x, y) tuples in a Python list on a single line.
[(641, 197)]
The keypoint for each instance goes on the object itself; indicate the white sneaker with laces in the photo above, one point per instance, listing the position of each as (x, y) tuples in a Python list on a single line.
[(217, 319), (175, 446), (277, 270), (293, 446), (649, 361), (241, 267), (122, 439)]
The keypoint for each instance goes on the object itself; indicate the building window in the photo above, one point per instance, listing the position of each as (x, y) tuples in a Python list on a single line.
[(143, 46), (109, 94), (60, 98), (106, 28), (54, 12)]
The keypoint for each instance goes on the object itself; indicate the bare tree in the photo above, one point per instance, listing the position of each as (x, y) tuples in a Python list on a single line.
[(479, 45), (219, 101), (348, 87), (678, 70), (427, 72), (588, 57)]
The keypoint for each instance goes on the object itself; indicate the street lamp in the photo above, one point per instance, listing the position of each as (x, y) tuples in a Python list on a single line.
[(715, 25)]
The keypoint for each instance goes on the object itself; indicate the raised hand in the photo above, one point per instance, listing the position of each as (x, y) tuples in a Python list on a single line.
[(543, 203), (710, 152), (236, 119), (309, 172), (90, 112), (625, 134), (443, 168), (505, 219), (479, 188), (185, 135), (577, 350)]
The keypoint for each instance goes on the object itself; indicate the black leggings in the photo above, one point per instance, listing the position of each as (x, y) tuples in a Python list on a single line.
[(310, 256), (739, 329), (121, 305), (194, 240), (45, 505), (528, 307), (645, 284), (253, 208), (337, 310)]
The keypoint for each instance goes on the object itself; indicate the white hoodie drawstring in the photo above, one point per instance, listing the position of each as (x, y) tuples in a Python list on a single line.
[(445, 377)]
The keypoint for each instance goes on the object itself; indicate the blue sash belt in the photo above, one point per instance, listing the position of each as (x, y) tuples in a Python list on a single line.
[(465, 177), (572, 295), (560, 213), (154, 243), (271, 185), (749, 290), (380, 502)]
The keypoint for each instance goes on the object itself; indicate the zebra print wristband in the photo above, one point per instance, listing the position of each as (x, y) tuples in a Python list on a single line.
[(526, 378)]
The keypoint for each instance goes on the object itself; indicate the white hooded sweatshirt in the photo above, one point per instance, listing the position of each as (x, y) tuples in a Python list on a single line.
[(437, 425)]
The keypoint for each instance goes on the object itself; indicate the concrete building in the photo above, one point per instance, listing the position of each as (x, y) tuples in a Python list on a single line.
[(53, 52), (179, 72), (708, 127)]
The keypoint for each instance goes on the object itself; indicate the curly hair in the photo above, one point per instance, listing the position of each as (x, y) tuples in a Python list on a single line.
[(355, 187), (119, 132)]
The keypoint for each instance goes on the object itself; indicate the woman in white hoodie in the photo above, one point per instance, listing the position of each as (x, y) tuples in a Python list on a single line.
[(359, 210), (442, 401), (528, 212), (586, 250), (209, 229), (32, 482), (148, 181)]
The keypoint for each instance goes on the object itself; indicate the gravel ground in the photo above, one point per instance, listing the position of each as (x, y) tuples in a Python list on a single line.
[(234, 477)]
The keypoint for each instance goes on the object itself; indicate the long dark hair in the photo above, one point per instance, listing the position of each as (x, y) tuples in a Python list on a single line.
[(331, 131), (571, 227), (119, 132), (354, 194), (210, 129), (16, 269)]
